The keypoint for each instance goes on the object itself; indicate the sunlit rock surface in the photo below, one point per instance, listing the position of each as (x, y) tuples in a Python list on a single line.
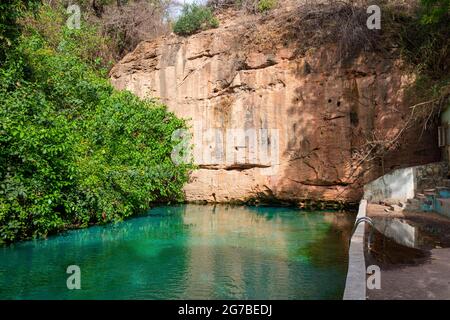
[(270, 123)]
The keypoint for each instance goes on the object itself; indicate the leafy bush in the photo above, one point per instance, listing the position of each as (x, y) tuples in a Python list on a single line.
[(73, 151), (109, 29), (85, 43), (195, 18), (266, 5), (10, 12)]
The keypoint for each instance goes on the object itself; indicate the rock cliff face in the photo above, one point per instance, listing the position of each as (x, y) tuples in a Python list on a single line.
[(269, 123)]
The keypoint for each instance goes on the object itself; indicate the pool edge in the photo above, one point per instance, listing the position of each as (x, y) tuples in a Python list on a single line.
[(355, 284)]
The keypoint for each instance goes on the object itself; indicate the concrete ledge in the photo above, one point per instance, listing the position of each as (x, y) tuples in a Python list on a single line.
[(403, 184), (355, 285)]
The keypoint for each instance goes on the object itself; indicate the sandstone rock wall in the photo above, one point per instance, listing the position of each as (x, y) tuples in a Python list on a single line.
[(270, 124)]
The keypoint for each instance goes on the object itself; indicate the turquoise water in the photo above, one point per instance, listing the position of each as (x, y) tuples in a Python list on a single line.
[(188, 252)]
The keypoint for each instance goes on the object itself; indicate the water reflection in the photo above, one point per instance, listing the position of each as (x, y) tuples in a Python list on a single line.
[(189, 252), (400, 242), (399, 230), (414, 234)]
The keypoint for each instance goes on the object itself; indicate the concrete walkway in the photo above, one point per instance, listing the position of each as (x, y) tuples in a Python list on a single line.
[(427, 274), (430, 280)]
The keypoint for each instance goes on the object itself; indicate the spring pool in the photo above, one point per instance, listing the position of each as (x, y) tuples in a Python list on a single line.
[(188, 252)]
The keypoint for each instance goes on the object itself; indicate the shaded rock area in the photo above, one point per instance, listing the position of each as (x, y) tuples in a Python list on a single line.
[(270, 124)]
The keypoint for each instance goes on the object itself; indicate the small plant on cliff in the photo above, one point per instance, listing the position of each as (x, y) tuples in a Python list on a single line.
[(266, 5), (247, 6), (195, 18), (435, 10)]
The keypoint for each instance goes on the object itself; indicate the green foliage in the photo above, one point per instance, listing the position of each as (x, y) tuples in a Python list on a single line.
[(85, 43), (73, 151), (266, 5), (423, 39), (195, 18), (435, 11), (10, 12), (425, 46)]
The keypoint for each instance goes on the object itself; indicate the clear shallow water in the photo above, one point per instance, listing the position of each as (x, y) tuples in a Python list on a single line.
[(188, 252)]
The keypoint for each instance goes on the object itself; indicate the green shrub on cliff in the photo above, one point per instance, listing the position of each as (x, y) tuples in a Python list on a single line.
[(10, 12), (86, 42), (74, 151), (266, 5), (435, 11), (195, 18), (247, 6), (423, 37)]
